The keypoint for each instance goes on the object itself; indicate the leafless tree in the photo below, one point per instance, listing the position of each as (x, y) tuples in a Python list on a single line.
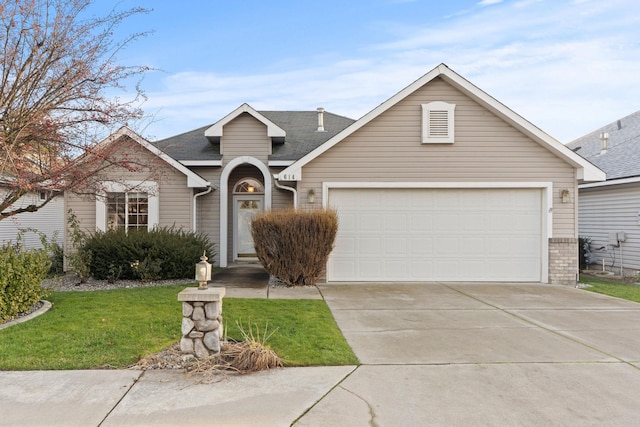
[(60, 78)]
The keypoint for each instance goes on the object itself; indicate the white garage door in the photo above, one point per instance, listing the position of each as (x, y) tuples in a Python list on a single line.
[(424, 234)]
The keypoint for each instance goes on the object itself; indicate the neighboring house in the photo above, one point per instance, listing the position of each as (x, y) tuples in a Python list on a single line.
[(609, 211), (439, 183), (49, 220)]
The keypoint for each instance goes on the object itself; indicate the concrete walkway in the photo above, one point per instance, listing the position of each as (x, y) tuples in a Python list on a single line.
[(431, 354)]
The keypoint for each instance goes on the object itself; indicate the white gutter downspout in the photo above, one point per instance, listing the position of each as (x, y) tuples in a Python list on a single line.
[(284, 187), (195, 205)]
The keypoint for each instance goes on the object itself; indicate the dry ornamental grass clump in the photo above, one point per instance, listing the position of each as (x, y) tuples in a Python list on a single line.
[(250, 355)]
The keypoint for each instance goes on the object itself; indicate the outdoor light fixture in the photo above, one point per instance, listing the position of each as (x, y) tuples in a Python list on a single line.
[(565, 196), (311, 196), (203, 271)]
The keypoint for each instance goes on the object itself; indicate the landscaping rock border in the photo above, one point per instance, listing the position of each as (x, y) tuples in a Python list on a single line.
[(39, 308)]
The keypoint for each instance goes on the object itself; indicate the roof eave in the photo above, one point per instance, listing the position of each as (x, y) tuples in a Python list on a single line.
[(193, 180)]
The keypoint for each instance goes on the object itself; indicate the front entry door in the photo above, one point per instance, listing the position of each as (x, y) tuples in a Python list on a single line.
[(245, 207)]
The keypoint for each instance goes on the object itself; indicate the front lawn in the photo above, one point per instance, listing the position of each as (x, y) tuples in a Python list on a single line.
[(115, 328), (611, 287)]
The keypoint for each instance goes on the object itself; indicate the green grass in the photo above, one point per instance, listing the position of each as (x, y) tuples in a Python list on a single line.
[(115, 328), (612, 288)]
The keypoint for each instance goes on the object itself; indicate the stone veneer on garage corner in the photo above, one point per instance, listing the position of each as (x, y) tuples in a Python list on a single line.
[(201, 321)]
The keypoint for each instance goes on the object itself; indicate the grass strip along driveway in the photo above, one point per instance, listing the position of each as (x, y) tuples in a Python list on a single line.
[(613, 288), (115, 328)]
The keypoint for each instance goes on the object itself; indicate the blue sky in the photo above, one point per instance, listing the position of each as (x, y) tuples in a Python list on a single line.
[(568, 66)]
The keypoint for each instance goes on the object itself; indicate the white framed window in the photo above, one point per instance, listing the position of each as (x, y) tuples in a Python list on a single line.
[(248, 185), (129, 205), (127, 210), (438, 123)]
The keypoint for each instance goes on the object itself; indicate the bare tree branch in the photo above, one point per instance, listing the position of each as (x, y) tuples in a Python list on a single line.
[(59, 74)]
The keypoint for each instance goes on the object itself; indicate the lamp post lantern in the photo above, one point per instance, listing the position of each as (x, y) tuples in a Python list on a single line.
[(203, 271)]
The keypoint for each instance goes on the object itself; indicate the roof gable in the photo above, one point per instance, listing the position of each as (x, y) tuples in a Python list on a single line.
[(273, 130), (193, 180), (586, 171)]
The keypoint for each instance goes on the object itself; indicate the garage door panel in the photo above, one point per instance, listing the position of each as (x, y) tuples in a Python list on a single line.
[(344, 246), (523, 223), (421, 246), (369, 245), (447, 222), (394, 222), (395, 246), (420, 223), (370, 269), (368, 221), (472, 247), (437, 234)]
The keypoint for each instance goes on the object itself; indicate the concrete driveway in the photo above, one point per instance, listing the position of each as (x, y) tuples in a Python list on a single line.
[(472, 354), (431, 354)]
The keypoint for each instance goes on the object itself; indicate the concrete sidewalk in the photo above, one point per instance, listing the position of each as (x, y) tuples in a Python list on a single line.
[(432, 354)]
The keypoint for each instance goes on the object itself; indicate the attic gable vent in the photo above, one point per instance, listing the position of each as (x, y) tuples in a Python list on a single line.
[(438, 123)]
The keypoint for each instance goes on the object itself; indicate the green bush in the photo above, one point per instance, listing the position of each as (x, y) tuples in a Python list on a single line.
[(21, 280), (294, 245), (583, 244), (79, 259), (57, 259), (162, 253)]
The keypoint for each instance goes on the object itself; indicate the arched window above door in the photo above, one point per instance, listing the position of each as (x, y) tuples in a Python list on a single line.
[(248, 186)]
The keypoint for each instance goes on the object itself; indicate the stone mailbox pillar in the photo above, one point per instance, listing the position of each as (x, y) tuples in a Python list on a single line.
[(201, 321)]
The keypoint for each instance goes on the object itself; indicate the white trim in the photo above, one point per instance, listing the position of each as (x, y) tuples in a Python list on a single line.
[(276, 163), (224, 199), (150, 187), (585, 170), (273, 130), (193, 180), (611, 182), (218, 163), (440, 106), (546, 203), (201, 162), (287, 188), (194, 209)]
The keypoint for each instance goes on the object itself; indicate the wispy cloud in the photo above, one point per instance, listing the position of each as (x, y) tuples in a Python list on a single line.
[(568, 66)]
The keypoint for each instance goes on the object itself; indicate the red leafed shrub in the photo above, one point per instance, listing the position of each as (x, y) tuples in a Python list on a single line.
[(294, 245)]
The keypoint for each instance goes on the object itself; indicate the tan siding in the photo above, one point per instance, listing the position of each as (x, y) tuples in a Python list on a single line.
[(485, 149), (176, 202), (208, 209), (280, 199), (245, 136), (612, 209), (85, 210), (174, 196)]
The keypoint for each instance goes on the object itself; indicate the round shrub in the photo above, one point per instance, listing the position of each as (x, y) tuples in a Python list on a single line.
[(21, 280), (294, 245)]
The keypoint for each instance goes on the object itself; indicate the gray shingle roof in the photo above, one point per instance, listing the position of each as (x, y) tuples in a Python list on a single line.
[(622, 158), (300, 126)]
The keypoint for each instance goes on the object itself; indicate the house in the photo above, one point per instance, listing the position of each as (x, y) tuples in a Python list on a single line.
[(441, 182), (48, 220), (609, 211)]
